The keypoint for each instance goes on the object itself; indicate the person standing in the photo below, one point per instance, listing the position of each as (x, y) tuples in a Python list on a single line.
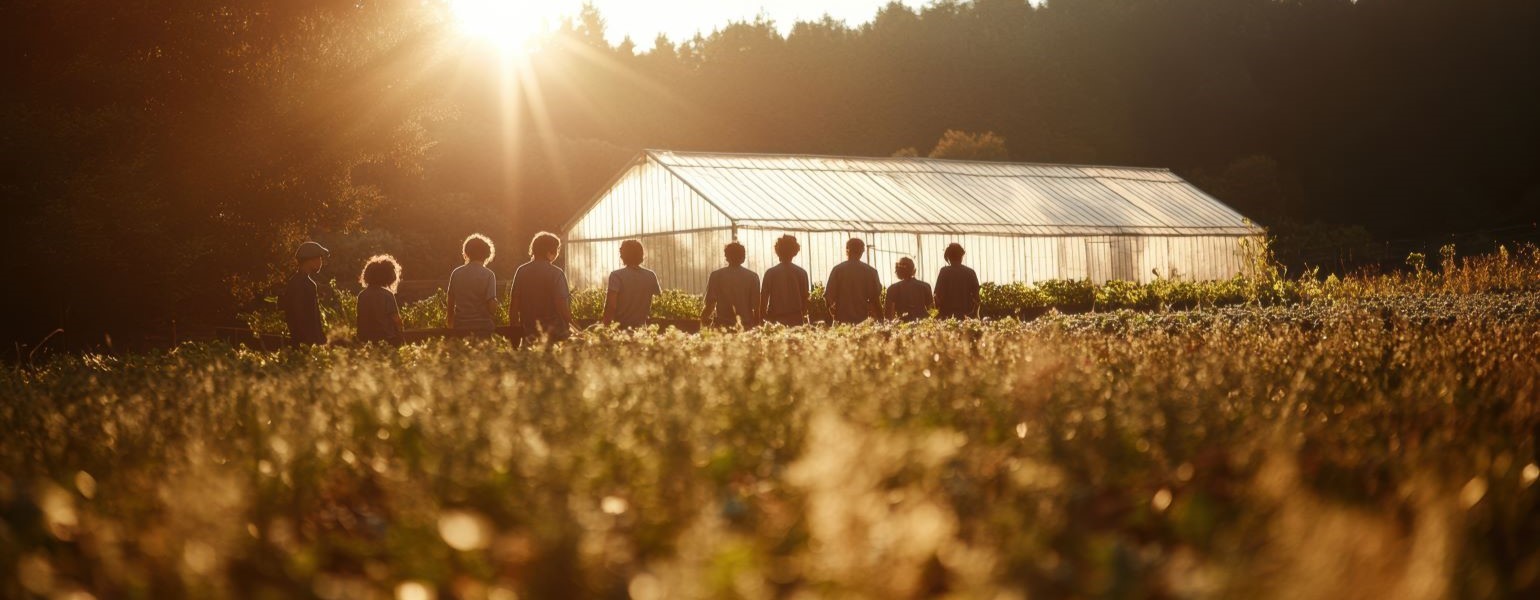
[(539, 300), (473, 289), (300, 300), (732, 292), (784, 296), (379, 318), (909, 299), (957, 287), (854, 291), (631, 289)]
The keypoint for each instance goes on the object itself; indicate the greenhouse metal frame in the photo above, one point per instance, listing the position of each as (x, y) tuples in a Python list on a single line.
[(1019, 222)]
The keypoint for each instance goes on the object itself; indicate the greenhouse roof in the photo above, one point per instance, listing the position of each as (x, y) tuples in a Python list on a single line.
[(923, 195)]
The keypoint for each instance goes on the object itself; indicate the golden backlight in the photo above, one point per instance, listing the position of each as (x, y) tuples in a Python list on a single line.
[(510, 25)]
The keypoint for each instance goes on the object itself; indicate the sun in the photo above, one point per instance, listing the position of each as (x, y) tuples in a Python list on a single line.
[(510, 25)]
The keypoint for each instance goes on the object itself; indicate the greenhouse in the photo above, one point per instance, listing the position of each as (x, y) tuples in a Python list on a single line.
[(1018, 222)]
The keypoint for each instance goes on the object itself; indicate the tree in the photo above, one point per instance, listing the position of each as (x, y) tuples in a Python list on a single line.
[(962, 145)]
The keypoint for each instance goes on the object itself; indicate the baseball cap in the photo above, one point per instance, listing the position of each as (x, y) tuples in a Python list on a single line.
[(310, 250)]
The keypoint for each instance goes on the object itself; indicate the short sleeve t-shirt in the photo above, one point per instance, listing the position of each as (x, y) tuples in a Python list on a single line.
[(910, 298), (853, 288), (472, 286), (957, 289), (302, 311), (734, 290), (541, 290), (634, 288), (377, 312), (786, 285)]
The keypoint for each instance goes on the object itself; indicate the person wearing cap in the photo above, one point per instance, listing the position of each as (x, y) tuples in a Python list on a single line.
[(854, 291), (300, 300), (908, 298)]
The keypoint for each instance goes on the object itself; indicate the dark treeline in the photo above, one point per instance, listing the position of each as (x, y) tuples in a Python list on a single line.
[(161, 159)]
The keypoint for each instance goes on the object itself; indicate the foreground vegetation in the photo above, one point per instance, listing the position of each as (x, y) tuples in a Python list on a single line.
[(1377, 446)]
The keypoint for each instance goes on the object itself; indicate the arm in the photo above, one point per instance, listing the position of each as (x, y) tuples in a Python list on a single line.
[(449, 312), (973, 299), (492, 298), (563, 299), (875, 306), (830, 292), (892, 307), (764, 297), (711, 299), (611, 298), (759, 312)]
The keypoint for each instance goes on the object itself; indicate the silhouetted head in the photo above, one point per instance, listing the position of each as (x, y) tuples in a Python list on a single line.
[(310, 257), (734, 253), (855, 248), (478, 249), (954, 253), (382, 271), (631, 253), (545, 246), (786, 247), (904, 268)]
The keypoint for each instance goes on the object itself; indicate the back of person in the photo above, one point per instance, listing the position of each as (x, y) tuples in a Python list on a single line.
[(302, 311), (957, 292), (540, 288), (473, 288), (786, 285), (910, 298), (634, 287), (853, 287), (377, 312), (735, 290)]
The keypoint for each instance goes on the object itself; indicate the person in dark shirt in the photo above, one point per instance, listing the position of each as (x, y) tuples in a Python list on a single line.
[(539, 300), (783, 298), (732, 292), (854, 292), (631, 289), (300, 300), (379, 319), (957, 287), (909, 299)]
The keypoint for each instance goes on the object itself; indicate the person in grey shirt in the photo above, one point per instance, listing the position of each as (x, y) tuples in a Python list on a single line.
[(783, 297), (539, 300), (732, 292), (957, 287), (473, 289), (854, 291), (300, 299), (631, 289), (909, 299), (379, 319)]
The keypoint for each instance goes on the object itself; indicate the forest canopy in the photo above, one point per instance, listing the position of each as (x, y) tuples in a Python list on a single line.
[(161, 159)]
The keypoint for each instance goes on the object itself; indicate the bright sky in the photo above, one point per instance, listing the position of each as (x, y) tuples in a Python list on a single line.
[(643, 20)]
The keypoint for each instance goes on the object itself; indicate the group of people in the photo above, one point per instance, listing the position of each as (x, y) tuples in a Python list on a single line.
[(540, 301)]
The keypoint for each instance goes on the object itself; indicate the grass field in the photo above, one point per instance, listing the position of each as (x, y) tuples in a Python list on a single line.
[(1374, 445)]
